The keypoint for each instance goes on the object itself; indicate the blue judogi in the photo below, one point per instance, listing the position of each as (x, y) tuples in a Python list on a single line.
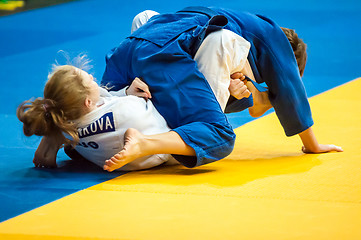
[(161, 51), (272, 61)]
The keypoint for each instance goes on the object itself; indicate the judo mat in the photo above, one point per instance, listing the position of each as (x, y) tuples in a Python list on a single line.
[(266, 189)]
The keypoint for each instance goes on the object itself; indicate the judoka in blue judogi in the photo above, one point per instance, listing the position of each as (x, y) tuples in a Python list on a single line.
[(161, 54)]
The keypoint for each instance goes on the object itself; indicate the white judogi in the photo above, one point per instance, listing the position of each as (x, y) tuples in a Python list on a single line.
[(101, 131)]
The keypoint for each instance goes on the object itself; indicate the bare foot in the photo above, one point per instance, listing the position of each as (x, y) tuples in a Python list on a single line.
[(132, 150), (45, 154), (261, 101)]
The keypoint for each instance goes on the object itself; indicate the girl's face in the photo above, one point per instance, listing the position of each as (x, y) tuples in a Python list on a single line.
[(94, 94)]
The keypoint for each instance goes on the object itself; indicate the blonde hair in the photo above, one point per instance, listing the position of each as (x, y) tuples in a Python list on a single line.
[(63, 102)]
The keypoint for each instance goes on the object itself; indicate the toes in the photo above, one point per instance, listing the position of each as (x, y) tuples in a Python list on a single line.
[(110, 164), (117, 161), (108, 168), (119, 156)]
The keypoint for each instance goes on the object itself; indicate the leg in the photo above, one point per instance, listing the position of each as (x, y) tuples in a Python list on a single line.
[(137, 145), (261, 103)]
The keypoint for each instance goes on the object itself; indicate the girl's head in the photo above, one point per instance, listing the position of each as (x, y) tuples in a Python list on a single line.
[(298, 47), (68, 94)]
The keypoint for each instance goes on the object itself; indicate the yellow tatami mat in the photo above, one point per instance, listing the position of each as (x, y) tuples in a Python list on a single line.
[(266, 189)]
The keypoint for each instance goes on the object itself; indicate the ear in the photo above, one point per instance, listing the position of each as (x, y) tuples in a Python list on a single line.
[(88, 102)]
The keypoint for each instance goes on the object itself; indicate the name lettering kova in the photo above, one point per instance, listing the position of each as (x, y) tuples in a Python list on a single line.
[(104, 124)]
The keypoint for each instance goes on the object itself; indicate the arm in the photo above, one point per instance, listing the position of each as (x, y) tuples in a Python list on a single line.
[(310, 144)]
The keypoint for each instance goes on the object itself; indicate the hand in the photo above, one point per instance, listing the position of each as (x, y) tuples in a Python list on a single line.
[(139, 88), (238, 75), (44, 160), (45, 155), (323, 149), (310, 144), (237, 87)]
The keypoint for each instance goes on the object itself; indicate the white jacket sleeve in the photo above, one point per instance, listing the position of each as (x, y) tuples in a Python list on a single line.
[(221, 54)]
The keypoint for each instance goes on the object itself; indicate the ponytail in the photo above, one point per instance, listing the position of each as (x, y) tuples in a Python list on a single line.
[(42, 117)]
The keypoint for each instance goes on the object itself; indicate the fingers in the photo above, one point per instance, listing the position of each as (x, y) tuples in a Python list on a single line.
[(238, 75), (336, 148), (238, 89), (144, 87), (44, 163), (139, 88), (330, 148), (237, 84), (323, 149), (143, 95)]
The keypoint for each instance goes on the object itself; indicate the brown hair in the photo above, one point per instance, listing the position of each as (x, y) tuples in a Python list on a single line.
[(64, 97), (299, 48)]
